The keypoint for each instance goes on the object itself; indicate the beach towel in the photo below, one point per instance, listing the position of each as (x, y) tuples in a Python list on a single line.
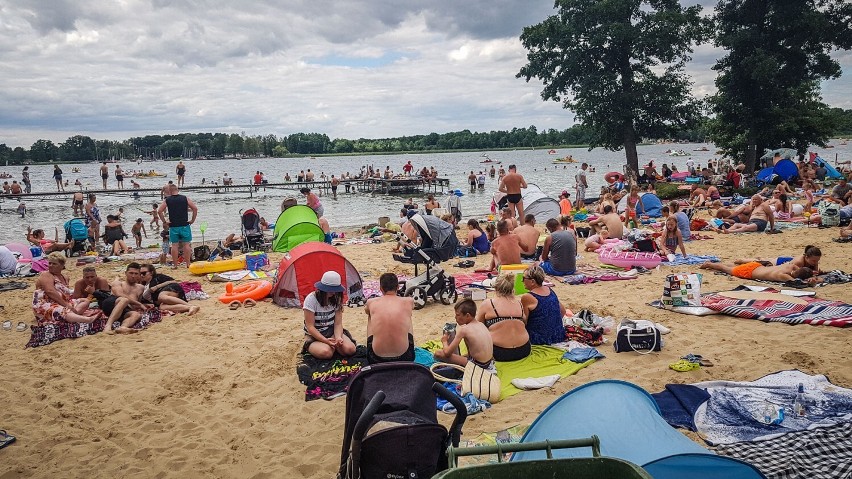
[(824, 452), (678, 403), (51, 332), (473, 404), (192, 290), (12, 285), (681, 260), (814, 312), (464, 280), (542, 361), (511, 435), (733, 411), (329, 378)]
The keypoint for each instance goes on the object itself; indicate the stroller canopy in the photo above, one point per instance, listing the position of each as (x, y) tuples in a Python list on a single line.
[(305, 265), (538, 204), (251, 222), (632, 429), (294, 226), (651, 205), (434, 231)]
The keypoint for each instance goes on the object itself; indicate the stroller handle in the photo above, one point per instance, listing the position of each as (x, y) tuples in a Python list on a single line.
[(358, 432), (461, 411)]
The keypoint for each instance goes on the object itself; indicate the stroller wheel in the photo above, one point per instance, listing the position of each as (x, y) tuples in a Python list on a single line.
[(419, 296), (447, 297)]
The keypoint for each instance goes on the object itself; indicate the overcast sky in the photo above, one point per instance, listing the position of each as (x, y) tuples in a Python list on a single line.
[(350, 69)]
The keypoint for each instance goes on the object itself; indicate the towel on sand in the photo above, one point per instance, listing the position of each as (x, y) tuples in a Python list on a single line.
[(542, 361), (50, 332), (329, 378)]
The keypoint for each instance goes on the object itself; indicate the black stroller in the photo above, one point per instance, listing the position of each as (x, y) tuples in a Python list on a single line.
[(392, 428), (438, 243), (252, 232)]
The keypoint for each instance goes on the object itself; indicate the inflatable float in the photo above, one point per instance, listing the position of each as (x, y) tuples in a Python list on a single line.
[(255, 290), (204, 267), (629, 259), (613, 177)]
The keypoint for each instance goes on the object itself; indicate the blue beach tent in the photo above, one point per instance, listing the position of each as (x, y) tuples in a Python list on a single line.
[(785, 170), (830, 171), (628, 422), (651, 205)]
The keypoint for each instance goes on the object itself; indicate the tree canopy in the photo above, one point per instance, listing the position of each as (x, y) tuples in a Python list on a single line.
[(769, 80), (618, 64)]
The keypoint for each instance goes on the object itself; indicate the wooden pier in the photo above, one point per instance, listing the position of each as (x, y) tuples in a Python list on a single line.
[(396, 186)]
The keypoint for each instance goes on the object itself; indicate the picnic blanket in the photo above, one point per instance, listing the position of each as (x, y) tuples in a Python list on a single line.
[(329, 378), (824, 452), (814, 312), (542, 361), (588, 274), (681, 260), (49, 332)]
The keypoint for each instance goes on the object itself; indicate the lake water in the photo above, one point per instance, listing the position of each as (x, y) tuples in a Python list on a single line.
[(222, 211)]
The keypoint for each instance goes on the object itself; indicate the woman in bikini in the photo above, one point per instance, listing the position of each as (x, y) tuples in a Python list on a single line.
[(504, 318), (52, 301), (431, 204)]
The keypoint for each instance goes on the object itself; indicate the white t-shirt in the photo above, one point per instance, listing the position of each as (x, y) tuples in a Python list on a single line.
[(580, 178), (8, 263), (323, 315)]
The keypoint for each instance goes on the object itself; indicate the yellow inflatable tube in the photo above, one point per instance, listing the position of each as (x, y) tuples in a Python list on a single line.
[(204, 267)]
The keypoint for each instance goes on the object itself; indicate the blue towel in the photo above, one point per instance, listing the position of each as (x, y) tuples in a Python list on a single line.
[(678, 403), (581, 355), (423, 357), (473, 404), (681, 260)]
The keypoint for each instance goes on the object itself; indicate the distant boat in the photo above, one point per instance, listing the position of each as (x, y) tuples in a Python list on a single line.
[(551, 152), (703, 148), (567, 159)]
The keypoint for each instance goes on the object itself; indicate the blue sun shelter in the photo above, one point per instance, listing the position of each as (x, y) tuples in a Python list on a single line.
[(628, 422)]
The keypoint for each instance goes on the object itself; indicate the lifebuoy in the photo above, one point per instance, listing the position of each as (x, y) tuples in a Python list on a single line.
[(613, 177), (255, 290)]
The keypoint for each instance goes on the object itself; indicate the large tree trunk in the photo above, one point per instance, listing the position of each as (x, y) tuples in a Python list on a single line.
[(751, 153), (630, 151)]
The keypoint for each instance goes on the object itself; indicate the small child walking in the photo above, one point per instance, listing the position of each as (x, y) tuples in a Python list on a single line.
[(138, 229)]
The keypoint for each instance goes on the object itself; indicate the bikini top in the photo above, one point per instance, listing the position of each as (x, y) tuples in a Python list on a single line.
[(492, 321)]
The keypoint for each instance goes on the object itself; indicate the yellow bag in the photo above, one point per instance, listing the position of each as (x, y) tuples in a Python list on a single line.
[(482, 384)]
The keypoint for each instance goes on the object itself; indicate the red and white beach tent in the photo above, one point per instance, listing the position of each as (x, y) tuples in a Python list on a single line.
[(304, 265)]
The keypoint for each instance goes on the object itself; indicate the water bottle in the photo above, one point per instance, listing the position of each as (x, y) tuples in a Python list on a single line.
[(799, 407)]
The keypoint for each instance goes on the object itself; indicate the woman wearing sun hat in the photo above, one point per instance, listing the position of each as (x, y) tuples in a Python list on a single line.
[(324, 333)]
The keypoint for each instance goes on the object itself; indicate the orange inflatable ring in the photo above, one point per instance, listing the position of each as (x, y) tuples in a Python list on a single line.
[(613, 176), (255, 290)]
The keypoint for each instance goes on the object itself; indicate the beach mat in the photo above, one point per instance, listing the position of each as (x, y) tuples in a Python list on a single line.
[(814, 311), (678, 403), (50, 332), (329, 378), (824, 452), (542, 361)]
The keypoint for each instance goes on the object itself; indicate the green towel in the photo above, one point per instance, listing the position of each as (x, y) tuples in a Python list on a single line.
[(542, 361)]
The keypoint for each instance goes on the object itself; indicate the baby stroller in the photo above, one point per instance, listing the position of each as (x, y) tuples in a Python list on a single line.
[(391, 427), (438, 243), (76, 230), (252, 232)]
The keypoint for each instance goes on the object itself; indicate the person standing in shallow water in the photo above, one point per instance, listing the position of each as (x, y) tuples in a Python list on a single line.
[(180, 171)]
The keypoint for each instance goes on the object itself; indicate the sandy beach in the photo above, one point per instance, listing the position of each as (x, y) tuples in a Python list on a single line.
[(216, 394)]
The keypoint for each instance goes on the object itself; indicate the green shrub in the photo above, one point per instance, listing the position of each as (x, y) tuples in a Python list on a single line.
[(670, 191)]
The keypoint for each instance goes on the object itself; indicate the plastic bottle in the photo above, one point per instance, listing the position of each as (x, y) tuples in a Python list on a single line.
[(768, 413), (799, 406)]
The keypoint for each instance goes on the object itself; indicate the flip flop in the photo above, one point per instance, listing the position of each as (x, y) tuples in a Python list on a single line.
[(249, 303), (21, 327), (5, 439), (233, 305), (7, 325), (698, 359), (683, 365)]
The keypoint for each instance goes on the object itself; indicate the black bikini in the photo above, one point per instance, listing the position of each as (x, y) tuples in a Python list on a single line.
[(507, 354)]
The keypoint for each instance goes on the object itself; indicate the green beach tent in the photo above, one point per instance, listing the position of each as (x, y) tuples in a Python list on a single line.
[(294, 226)]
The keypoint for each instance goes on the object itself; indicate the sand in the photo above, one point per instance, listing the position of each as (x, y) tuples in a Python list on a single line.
[(216, 395)]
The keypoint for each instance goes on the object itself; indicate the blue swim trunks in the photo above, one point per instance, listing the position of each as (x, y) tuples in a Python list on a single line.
[(546, 266), (180, 234)]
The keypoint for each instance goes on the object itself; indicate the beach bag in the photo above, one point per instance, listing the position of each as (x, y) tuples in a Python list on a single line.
[(645, 246), (582, 232), (465, 252), (697, 224), (830, 213), (256, 261), (681, 289), (640, 336), (201, 253), (475, 380)]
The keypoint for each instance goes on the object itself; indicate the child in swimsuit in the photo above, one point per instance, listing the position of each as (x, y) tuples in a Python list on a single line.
[(475, 335)]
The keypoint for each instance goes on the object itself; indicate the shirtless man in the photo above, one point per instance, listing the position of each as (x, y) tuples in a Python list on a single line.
[(740, 214), (760, 271), (528, 234), (119, 177), (90, 283), (390, 332), (506, 248), (124, 304), (511, 184), (761, 215), (609, 220), (476, 337), (698, 196), (104, 174), (77, 204), (506, 214)]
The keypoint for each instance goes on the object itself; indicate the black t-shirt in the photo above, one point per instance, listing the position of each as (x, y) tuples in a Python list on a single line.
[(178, 207)]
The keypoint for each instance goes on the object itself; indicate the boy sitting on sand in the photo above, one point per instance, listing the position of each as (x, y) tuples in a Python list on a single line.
[(476, 337)]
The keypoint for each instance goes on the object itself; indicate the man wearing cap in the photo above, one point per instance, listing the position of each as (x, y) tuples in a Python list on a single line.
[(390, 332), (323, 308)]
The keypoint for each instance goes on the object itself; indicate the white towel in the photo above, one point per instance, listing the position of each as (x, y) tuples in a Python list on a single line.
[(535, 383)]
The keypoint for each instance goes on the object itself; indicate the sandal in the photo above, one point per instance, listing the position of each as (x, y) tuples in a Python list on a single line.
[(683, 365), (697, 358), (5, 439), (21, 327), (249, 303), (234, 305)]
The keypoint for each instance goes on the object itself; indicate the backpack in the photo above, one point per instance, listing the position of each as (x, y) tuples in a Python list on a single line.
[(830, 213), (75, 229)]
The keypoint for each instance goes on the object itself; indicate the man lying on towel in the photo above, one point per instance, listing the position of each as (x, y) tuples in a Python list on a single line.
[(763, 271)]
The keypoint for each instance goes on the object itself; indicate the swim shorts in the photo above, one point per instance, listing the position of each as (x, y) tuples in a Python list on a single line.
[(549, 269), (761, 224), (104, 176), (746, 270), (514, 198), (180, 234)]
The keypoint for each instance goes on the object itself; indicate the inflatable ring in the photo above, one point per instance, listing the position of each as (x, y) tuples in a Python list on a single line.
[(613, 177), (255, 290)]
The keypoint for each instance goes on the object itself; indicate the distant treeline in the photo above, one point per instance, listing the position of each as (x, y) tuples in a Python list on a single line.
[(81, 148)]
